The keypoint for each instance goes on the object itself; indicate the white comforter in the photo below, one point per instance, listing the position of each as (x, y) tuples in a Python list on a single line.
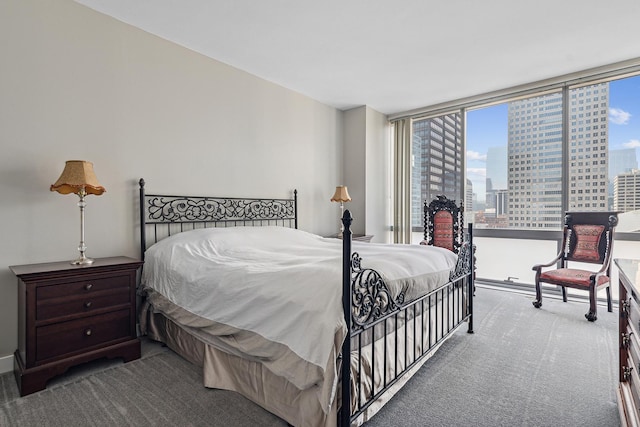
[(281, 283)]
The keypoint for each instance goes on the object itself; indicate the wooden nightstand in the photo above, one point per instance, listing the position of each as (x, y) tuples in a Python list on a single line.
[(70, 314)]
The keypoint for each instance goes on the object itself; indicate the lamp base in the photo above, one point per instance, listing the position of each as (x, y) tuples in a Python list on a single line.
[(83, 260)]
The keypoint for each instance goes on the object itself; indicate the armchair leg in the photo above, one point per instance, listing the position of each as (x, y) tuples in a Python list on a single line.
[(593, 311), (609, 308), (564, 294), (538, 301)]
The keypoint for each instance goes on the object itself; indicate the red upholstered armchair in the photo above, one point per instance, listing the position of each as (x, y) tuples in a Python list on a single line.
[(587, 238)]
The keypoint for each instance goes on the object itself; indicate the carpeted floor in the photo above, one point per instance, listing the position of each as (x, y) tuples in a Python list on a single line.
[(160, 389), (522, 367)]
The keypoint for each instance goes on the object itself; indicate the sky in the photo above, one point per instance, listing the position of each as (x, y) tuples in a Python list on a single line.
[(487, 127)]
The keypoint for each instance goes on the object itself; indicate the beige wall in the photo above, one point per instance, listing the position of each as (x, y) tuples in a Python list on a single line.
[(378, 176), (367, 160), (355, 140), (75, 84)]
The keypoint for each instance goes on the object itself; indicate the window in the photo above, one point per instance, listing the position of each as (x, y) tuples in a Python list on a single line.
[(437, 161), (502, 139), (519, 163)]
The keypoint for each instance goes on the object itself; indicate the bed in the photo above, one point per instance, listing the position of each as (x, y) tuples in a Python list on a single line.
[(231, 284)]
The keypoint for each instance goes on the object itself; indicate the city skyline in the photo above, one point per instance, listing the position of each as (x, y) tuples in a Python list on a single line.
[(488, 127)]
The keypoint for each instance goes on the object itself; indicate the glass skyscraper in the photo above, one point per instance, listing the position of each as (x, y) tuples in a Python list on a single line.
[(437, 161), (535, 158)]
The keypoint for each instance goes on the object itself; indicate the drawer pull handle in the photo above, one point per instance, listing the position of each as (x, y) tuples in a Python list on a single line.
[(626, 339), (626, 373), (88, 286), (87, 332), (88, 304), (624, 307)]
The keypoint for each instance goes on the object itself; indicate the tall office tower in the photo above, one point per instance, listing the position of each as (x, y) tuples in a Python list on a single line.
[(437, 161), (626, 191), (490, 195), (502, 202), (536, 161), (497, 175), (589, 147), (497, 170), (620, 161)]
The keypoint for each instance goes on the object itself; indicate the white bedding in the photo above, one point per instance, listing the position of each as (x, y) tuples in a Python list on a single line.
[(281, 283)]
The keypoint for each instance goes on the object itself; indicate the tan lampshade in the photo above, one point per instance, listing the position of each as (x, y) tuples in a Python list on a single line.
[(78, 174), (341, 194)]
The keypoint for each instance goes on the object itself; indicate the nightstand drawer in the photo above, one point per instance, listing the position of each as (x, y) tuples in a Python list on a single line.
[(634, 381), (82, 303), (86, 286), (82, 334), (634, 315), (634, 352)]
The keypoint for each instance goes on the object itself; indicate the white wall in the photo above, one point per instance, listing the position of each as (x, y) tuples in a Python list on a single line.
[(75, 84), (378, 176), (367, 165), (355, 139)]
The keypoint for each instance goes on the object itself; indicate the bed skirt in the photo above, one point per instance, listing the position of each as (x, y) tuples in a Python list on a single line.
[(252, 380)]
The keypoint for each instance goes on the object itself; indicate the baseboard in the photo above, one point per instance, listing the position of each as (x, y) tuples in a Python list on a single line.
[(6, 364)]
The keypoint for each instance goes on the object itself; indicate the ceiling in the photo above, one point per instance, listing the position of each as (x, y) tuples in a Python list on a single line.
[(398, 55)]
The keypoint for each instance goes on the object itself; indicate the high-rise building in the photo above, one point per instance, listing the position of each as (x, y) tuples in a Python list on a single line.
[(535, 157), (626, 191), (497, 171), (589, 147), (468, 202), (497, 174), (437, 161), (620, 161), (502, 202)]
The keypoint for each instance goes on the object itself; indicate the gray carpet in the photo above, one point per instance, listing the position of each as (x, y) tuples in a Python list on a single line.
[(161, 389), (522, 367)]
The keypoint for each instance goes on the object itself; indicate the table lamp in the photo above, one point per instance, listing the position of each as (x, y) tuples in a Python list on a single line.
[(341, 195), (78, 178)]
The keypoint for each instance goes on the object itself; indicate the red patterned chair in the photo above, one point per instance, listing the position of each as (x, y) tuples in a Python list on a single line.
[(587, 238)]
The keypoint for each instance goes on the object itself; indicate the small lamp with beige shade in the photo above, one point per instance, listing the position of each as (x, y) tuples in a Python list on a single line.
[(341, 195), (78, 178)]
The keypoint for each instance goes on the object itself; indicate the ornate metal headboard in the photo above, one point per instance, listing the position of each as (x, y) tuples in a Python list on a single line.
[(445, 231), (163, 215)]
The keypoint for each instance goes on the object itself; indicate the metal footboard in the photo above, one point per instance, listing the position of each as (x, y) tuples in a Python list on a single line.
[(388, 337)]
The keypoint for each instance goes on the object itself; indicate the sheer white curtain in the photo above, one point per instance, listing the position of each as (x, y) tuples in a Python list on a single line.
[(402, 181)]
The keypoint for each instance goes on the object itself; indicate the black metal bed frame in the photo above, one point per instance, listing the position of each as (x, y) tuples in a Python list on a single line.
[(367, 302)]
